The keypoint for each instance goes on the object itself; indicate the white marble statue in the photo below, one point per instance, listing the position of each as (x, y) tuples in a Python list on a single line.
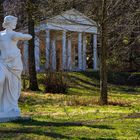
[(10, 68)]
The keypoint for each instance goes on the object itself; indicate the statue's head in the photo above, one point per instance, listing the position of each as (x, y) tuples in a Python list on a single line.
[(10, 22)]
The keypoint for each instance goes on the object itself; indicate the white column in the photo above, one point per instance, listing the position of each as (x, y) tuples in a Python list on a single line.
[(95, 67), (53, 54), (74, 53), (64, 51), (25, 57), (80, 51), (37, 53), (47, 49), (84, 52), (69, 66)]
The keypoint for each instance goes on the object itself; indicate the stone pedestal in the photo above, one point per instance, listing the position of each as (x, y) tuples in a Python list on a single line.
[(9, 116)]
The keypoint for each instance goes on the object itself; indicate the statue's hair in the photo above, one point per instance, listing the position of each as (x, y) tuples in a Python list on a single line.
[(7, 21)]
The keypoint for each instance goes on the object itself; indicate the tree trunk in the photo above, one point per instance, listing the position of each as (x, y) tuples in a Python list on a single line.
[(32, 70), (1, 14), (103, 65)]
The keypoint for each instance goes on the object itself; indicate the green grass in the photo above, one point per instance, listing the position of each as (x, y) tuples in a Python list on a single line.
[(77, 115)]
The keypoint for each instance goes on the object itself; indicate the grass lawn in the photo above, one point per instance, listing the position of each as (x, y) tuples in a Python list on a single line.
[(77, 114)]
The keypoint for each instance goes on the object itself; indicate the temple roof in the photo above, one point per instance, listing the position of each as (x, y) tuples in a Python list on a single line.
[(71, 20)]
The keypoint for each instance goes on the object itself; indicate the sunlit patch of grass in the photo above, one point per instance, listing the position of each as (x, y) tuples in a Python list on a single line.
[(77, 115)]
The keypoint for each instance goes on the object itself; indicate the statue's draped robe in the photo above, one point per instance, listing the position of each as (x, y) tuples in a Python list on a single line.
[(12, 85), (11, 67)]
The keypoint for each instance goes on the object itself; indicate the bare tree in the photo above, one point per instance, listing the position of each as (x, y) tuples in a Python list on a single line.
[(103, 65), (32, 68), (1, 13)]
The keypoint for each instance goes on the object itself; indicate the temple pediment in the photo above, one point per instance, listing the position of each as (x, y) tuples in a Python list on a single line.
[(73, 17), (71, 20)]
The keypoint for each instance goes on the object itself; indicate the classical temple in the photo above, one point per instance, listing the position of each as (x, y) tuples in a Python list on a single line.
[(61, 43)]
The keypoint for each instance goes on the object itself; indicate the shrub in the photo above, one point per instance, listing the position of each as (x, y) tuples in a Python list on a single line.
[(119, 78), (134, 79), (56, 82), (25, 81)]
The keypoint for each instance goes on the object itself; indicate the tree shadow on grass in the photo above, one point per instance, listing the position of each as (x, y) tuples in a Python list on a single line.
[(74, 79), (80, 84), (13, 133), (129, 90), (83, 85), (33, 122), (90, 85), (32, 130), (105, 139), (34, 127)]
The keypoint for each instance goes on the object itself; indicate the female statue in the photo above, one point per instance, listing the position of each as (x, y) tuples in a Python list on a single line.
[(10, 68)]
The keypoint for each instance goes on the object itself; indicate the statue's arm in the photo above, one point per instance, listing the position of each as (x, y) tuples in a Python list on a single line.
[(20, 36)]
